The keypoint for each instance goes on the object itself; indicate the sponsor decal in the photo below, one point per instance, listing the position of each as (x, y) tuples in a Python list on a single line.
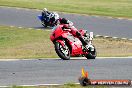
[(85, 81)]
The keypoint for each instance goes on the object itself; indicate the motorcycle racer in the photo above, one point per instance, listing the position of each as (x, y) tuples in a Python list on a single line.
[(45, 14), (70, 42), (54, 17), (69, 25), (49, 17)]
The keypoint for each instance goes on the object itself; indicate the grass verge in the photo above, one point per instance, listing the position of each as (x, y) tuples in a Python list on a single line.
[(25, 43), (116, 8)]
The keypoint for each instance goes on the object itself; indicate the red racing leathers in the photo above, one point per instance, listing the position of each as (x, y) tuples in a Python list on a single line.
[(74, 32)]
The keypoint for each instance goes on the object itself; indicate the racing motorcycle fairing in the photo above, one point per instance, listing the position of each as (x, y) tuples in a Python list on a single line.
[(76, 45), (40, 17), (60, 35)]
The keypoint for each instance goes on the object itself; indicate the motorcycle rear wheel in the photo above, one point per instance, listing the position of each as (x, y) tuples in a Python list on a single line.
[(63, 52), (91, 54)]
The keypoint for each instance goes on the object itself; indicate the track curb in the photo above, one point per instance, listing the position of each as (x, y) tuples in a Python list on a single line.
[(97, 36)]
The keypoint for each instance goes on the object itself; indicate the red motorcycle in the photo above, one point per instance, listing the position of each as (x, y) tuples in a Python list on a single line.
[(67, 45)]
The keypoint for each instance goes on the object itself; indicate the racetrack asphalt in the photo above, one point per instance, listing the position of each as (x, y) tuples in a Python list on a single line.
[(105, 26), (57, 71)]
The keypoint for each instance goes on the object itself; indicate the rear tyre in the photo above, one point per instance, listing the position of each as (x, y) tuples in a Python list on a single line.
[(91, 54), (62, 51)]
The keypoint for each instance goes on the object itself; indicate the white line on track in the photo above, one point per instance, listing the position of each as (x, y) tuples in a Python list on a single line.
[(37, 10), (12, 26), (121, 18), (124, 38), (20, 27), (110, 17), (19, 8), (27, 9), (96, 16), (106, 36), (114, 37), (98, 36), (129, 19), (82, 58), (7, 7), (34, 85), (30, 28), (38, 29), (130, 39)]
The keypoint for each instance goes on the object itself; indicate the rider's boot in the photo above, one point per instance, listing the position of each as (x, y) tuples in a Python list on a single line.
[(84, 43), (86, 46)]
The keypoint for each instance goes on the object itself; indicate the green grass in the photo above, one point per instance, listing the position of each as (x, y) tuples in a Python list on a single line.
[(113, 47), (25, 43), (116, 8)]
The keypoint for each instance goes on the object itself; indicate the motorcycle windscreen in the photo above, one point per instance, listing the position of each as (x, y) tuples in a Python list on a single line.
[(40, 17)]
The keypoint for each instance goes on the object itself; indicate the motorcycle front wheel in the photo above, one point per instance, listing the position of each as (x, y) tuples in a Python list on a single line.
[(62, 51)]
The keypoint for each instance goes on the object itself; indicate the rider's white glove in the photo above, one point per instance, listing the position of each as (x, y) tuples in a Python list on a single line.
[(70, 23)]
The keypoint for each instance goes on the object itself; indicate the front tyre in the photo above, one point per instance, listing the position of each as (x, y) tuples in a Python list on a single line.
[(62, 51)]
